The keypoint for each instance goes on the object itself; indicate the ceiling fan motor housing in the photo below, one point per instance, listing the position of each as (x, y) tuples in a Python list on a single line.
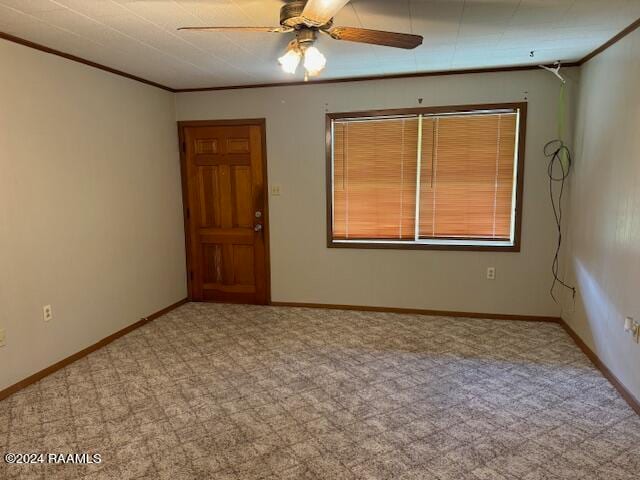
[(291, 16), (291, 13)]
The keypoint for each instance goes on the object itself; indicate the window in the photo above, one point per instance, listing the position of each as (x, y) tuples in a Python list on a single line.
[(445, 177)]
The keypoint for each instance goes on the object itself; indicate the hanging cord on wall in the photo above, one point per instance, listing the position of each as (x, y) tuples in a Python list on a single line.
[(559, 157)]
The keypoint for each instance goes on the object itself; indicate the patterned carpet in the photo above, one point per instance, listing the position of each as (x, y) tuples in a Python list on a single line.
[(241, 392)]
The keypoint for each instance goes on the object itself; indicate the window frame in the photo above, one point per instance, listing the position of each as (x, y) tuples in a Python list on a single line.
[(521, 107)]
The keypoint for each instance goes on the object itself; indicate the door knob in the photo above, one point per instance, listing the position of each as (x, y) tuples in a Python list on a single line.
[(258, 213), (257, 227)]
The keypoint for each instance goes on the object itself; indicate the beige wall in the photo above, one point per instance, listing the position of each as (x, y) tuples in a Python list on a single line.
[(90, 210), (304, 270), (90, 207), (604, 241)]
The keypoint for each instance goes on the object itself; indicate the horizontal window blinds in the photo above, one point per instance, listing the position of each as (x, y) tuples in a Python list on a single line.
[(455, 171), (466, 187), (374, 182)]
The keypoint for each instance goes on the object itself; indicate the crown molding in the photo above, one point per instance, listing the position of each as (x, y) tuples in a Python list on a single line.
[(438, 73), (74, 58), (610, 42)]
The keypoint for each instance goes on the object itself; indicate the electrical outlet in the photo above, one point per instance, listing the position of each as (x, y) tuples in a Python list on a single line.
[(275, 190), (633, 327), (491, 273), (47, 313), (3, 337)]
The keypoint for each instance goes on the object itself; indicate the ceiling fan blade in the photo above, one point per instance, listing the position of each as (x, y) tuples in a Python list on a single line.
[(319, 12), (376, 37), (238, 29)]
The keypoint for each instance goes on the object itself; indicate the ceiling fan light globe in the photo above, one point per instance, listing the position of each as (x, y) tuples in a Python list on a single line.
[(290, 61), (314, 61)]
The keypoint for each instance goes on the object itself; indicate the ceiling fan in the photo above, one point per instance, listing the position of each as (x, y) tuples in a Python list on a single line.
[(308, 17)]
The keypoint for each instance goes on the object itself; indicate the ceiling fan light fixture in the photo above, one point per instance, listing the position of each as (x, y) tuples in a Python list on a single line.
[(291, 59), (314, 61), (306, 19)]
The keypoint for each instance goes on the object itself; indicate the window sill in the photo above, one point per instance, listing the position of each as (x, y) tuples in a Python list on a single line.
[(451, 245)]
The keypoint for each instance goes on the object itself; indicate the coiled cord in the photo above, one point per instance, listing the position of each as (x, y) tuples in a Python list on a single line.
[(557, 152)]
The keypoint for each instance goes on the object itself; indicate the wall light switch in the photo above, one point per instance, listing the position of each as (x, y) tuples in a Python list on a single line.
[(47, 313), (491, 273), (3, 337), (275, 190)]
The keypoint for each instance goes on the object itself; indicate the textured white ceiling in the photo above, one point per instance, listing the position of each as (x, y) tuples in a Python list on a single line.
[(140, 37)]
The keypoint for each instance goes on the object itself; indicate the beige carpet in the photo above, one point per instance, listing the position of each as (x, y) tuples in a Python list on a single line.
[(238, 392)]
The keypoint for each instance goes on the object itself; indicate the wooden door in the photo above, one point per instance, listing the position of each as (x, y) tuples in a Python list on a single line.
[(226, 220)]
